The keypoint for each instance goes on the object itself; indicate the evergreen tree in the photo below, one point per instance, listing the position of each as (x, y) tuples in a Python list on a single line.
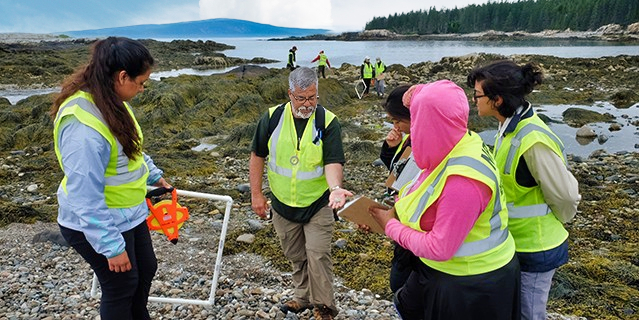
[(523, 15)]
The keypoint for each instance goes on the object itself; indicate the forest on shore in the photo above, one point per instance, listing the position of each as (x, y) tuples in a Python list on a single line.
[(523, 15)]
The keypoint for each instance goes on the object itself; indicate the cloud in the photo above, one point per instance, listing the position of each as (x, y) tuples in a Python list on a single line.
[(169, 13), (291, 13)]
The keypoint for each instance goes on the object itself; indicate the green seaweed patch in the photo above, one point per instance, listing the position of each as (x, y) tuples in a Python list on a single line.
[(11, 212)]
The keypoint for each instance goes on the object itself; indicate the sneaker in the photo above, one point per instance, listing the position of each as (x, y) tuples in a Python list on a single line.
[(322, 312), (293, 306)]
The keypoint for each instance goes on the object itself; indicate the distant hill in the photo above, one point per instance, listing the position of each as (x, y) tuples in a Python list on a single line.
[(211, 28)]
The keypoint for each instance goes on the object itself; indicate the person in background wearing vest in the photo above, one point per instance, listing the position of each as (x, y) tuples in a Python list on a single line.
[(305, 176), (367, 72), (321, 65), (98, 142), (380, 67), (467, 267), (541, 192), (291, 59)]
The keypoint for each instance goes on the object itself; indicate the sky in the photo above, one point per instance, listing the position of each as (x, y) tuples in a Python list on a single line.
[(47, 16)]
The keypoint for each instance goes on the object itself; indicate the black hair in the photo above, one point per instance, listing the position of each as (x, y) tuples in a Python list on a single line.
[(394, 105), (110, 56), (508, 80)]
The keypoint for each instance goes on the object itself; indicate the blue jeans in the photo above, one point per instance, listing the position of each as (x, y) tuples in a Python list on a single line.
[(124, 294)]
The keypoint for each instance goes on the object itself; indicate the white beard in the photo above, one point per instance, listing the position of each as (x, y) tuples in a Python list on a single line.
[(304, 112)]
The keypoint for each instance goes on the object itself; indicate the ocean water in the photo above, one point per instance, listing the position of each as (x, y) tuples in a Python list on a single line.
[(626, 139), (409, 52)]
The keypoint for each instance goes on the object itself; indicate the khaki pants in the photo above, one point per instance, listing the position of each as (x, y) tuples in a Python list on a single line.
[(308, 247)]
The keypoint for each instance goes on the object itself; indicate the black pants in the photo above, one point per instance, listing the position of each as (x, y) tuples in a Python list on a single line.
[(124, 294), (320, 71), (367, 82), (401, 267), (434, 295)]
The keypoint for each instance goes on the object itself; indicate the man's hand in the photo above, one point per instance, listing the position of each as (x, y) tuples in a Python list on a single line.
[(259, 204), (120, 263), (337, 198)]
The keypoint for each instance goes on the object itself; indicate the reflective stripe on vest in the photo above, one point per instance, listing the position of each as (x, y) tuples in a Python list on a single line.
[(272, 163), (516, 142), (488, 245), (497, 235), (125, 180), (531, 221), (296, 167), (535, 210)]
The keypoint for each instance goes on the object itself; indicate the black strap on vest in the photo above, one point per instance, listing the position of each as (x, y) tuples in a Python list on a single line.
[(320, 119)]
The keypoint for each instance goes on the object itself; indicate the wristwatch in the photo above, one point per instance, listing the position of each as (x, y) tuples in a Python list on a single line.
[(334, 188)]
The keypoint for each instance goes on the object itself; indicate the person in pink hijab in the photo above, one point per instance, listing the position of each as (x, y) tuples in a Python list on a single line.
[(453, 217)]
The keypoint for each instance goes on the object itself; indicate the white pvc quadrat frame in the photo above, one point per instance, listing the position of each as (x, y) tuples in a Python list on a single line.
[(218, 259)]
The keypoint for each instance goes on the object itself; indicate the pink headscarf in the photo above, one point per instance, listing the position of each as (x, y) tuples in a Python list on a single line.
[(439, 119)]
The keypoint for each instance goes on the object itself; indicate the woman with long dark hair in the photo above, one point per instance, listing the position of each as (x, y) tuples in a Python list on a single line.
[(98, 143)]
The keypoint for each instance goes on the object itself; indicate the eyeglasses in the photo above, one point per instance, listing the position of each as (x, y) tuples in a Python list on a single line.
[(476, 96), (310, 99)]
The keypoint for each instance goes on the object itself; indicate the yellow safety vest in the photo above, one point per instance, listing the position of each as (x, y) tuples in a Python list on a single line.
[(379, 68), (368, 71), (488, 246), (125, 179), (531, 221), (322, 59), (296, 175)]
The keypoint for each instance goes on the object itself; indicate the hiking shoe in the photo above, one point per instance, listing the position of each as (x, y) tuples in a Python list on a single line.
[(293, 306), (322, 312)]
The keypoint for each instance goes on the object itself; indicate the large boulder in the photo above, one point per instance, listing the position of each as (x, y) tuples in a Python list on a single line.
[(633, 28), (577, 117), (610, 29)]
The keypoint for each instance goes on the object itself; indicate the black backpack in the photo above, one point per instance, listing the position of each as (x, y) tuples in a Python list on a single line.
[(320, 119)]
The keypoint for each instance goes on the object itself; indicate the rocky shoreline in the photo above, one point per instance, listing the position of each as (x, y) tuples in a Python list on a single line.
[(46, 280), (609, 33)]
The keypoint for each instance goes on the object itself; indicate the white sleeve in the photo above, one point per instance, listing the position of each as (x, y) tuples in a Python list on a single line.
[(558, 185)]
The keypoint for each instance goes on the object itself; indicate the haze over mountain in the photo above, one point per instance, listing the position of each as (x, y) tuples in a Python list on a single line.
[(212, 28)]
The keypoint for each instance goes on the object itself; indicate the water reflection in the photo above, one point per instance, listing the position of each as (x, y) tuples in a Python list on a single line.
[(18, 94), (624, 139)]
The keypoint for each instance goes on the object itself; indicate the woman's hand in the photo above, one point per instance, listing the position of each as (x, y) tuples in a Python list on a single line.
[(393, 138), (382, 216), (120, 263), (162, 183), (364, 228)]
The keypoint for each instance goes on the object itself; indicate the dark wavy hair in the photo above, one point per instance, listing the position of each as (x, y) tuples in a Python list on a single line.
[(110, 56), (508, 80), (394, 106)]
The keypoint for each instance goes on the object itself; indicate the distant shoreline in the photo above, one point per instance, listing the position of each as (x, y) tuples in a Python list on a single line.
[(491, 35), (610, 33)]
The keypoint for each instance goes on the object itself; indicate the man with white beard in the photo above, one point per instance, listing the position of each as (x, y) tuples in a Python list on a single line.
[(301, 142)]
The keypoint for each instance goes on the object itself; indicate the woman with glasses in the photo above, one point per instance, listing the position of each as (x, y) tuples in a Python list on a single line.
[(541, 193), (452, 216)]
